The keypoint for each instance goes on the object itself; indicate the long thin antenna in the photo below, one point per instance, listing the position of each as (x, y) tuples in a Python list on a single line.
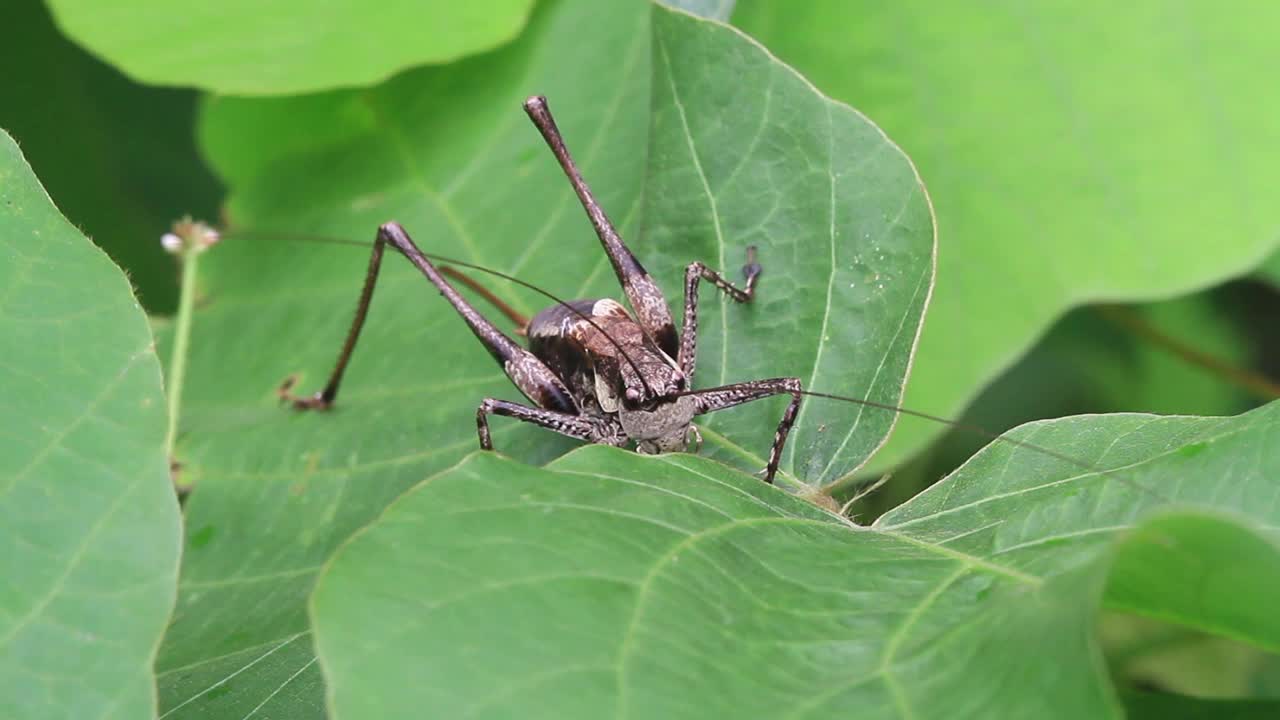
[(472, 266), (967, 427), (520, 321)]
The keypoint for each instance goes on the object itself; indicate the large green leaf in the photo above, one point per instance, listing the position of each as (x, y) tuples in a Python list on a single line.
[(1092, 360), (1142, 706), (1143, 652), (843, 227), (120, 158), (276, 491), (1074, 153), (1119, 363), (1271, 270), (244, 47), (88, 521), (616, 585)]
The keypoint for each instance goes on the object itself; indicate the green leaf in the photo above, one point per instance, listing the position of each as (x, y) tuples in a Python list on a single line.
[(744, 151), (120, 158), (245, 48), (1141, 706), (1271, 270), (615, 584), (277, 491), (88, 520), (1121, 368), (1093, 361), (1153, 655), (1074, 154)]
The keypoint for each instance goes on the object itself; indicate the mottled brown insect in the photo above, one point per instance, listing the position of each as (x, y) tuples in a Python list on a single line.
[(592, 370)]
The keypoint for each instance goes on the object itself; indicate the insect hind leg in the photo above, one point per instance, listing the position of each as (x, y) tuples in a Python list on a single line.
[(642, 292), (534, 379)]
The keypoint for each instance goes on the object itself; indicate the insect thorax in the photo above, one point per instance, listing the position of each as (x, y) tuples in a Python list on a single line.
[(613, 369)]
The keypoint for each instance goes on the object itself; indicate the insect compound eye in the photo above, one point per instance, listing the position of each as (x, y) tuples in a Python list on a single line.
[(633, 395)]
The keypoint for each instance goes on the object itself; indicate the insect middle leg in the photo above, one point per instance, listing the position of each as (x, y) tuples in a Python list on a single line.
[(694, 273), (728, 396), (535, 380)]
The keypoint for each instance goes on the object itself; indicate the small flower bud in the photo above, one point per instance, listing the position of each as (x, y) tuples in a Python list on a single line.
[(188, 234)]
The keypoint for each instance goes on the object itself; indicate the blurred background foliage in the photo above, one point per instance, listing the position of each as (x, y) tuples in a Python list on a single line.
[(1074, 152), (118, 158), (121, 161)]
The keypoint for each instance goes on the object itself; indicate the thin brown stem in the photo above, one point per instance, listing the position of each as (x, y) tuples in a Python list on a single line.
[(1255, 383)]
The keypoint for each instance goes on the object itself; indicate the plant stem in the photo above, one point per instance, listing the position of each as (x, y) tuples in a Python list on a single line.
[(181, 336), (1254, 383)]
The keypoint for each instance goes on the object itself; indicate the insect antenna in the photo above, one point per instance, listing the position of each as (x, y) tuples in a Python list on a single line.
[(969, 428), (303, 237), (520, 321)]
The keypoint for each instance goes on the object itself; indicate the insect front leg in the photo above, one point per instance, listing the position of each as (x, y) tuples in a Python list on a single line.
[(642, 292), (527, 373), (728, 396), (575, 426), (694, 273)]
